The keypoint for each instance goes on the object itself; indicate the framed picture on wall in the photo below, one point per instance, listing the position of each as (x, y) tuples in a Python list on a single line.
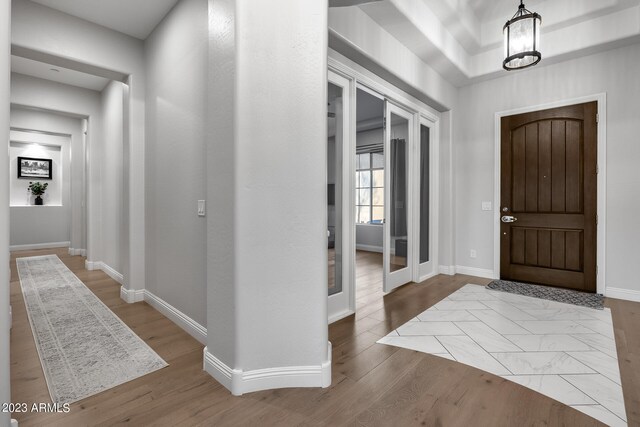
[(29, 167)]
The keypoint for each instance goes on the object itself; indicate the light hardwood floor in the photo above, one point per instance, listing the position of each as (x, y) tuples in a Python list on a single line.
[(373, 384)]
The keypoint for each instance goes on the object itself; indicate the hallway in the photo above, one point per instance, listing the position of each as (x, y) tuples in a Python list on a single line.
[(372, 383)]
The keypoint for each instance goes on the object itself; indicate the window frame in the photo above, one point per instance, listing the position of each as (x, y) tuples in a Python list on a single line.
[(371, 187)]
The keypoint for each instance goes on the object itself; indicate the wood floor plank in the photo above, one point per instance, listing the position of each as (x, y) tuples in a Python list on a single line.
[(372, 384)]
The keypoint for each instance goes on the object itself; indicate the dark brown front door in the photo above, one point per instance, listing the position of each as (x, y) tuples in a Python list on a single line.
[(548, 190)]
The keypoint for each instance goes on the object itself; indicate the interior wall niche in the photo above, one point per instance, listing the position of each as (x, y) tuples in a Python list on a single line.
[(47, 147)]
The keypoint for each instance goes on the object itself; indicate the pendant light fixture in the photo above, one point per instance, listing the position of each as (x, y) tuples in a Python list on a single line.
[(522, 40)]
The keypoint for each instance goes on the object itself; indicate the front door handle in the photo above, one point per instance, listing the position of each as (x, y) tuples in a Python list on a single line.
[(508, 218)]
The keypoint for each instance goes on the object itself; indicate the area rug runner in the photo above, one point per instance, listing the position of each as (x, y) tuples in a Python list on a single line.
[(545, 292), (83, 346)]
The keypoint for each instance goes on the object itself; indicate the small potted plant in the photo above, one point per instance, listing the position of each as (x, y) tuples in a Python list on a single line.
[(37, 189)]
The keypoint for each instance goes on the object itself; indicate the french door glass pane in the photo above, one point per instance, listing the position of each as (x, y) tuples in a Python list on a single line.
[(334, 188), (424, 194), (399, 212)]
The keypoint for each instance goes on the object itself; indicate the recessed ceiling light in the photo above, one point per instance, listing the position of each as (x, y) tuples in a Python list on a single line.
[(54, 70)]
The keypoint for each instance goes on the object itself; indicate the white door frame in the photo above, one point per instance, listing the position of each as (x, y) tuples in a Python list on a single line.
[(430, 268), (601, 98), (366, 80), (343, 303), (394, 279)]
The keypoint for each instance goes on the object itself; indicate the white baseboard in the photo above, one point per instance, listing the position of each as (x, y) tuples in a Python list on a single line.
[(369, 248), (447, 269), (51, 245), (192, 327), (131, 295), (473, 271), (625, 294), (427, 276), (240, 382), (340, 316), (110, 271), (77, 252)]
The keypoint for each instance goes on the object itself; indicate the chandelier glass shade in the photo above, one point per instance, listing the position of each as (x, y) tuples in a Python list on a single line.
[(522, 40)]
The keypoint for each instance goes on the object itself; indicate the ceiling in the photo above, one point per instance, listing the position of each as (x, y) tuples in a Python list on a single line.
[(459, 39), (462, 39), (136, 18), (62, 75)]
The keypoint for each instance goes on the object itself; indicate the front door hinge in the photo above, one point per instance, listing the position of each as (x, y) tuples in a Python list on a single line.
[(597, 169), (596, 219), (597, 118), (384, 122)]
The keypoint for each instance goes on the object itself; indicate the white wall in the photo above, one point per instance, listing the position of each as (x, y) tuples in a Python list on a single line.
[(267, 242), (111, 176), (354, 34), (5, 66), (57, 149), (85, 46), (50, 223), (76, 103), (369, 237), (614, 72), (176, 60), (47, 121)]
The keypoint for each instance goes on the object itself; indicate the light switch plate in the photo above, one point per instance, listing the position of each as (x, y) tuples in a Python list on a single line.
[(486, 206), (201, 208)]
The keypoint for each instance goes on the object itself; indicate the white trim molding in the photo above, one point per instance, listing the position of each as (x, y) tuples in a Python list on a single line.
[(473, 271), (368, 248), (110, 271), (132, 295), (240, 382), (601, 98), (77, 252), (427, 276), (185, 322), (340, 316), (51, 245), (625, 294), (449, 270)]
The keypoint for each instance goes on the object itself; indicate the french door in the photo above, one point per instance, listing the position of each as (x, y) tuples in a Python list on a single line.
[(340, 210), (425, 196), (398, 244)]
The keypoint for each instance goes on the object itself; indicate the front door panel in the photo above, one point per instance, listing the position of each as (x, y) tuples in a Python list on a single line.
[(548, 197)]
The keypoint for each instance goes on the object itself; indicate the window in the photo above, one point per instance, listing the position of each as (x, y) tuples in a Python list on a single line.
[(369, 188)]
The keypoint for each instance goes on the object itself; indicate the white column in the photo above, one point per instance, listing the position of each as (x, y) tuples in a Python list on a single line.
[(266, 190), (5, 48)]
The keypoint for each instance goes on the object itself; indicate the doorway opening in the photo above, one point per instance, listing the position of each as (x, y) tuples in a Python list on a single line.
[(549, 197), (382, 191), (370, 197)]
